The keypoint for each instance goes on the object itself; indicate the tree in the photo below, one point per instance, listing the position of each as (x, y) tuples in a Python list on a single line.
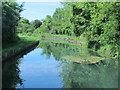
[(24, 26), (97, 21), (37, 23), (46, 25), (10, 17)]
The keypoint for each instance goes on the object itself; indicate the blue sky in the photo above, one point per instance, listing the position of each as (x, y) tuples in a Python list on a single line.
[(39, 10)]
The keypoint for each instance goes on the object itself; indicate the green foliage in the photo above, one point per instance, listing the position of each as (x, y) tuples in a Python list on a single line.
[(98, 21), (27, 28), (24, 26), (60, 50), (37, 23), (90, 76), (104, 25), (10, 17), (61, 21), (23, 40), (45, 27)]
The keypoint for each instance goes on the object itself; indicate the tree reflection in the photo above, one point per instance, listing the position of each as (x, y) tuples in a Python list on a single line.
[(59, 50), (103, 74), (100, 75), (10, 74)]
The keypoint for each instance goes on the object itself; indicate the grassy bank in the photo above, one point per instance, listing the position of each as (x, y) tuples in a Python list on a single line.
[(56, 41), (54, 35), (63, 37), (104, 50), (23, 41)]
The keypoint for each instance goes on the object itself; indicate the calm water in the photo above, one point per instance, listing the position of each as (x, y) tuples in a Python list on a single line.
[(49, 66)]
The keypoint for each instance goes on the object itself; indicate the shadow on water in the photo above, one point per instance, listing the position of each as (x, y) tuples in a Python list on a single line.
[(11, 71), (10, 74)]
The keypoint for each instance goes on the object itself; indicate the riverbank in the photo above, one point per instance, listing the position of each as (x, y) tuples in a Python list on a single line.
[(82, 41), (12, 49)]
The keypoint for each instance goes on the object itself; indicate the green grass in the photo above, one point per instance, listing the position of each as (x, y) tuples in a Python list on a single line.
[(56, 41), (24, 34), (28, 38), (65, 36), (19, 43), (82, 39)]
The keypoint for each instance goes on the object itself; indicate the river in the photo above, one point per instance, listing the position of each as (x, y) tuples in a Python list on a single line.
[(60, 65)]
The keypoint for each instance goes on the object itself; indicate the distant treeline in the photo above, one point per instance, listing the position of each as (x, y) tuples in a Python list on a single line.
[(26, 27)]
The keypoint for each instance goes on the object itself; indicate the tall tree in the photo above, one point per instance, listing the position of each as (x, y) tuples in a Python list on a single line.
[(37, 23), (10, 17), (24, 26)]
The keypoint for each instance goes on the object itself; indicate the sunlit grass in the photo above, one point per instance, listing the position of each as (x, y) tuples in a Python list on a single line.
[(81, 39), (64, 38), (23, 41), (58, 41)]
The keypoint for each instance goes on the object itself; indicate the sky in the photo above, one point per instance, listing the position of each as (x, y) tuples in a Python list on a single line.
[(39, 10)]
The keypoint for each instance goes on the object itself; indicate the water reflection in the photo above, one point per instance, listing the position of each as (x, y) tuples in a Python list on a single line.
[(10, 74), (70, 52), (57, 71), (90, 76), (11, 71), (103, 74)]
